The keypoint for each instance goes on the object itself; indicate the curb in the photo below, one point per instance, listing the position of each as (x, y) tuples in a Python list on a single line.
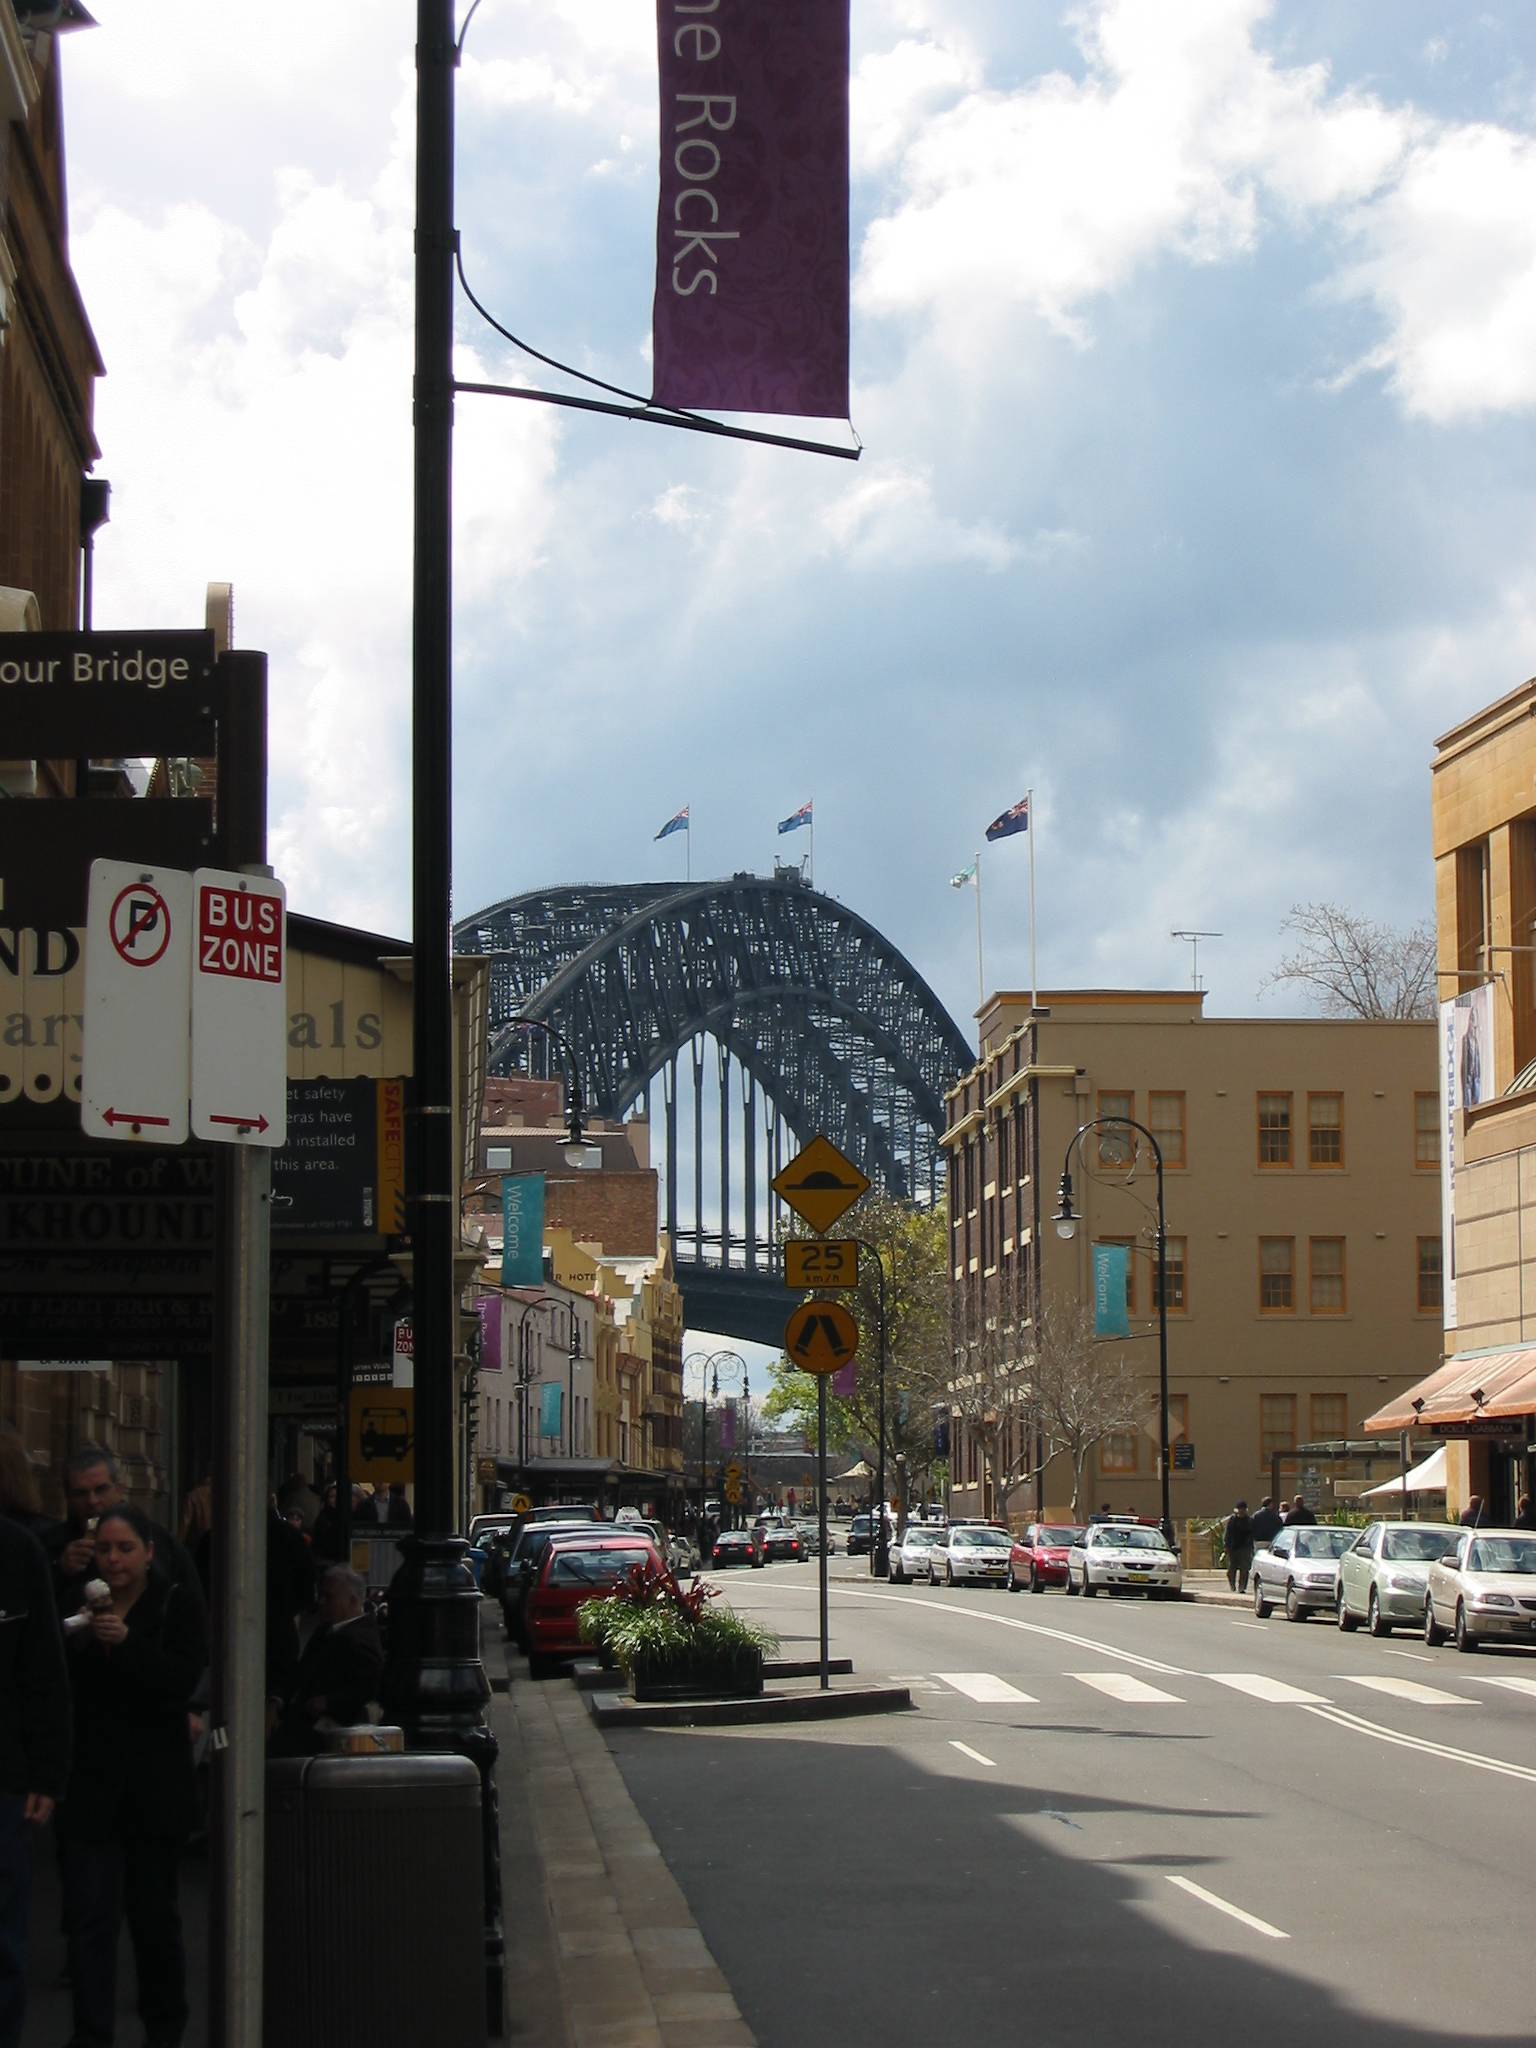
[(615, 1711), (590, 1677)]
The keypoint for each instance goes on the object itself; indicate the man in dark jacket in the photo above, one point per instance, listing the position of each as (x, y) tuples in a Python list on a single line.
[(1267, 1522), (1298, 1515), (92, 1484), (341, 1668), (1475, 1514), (34, 1747), (1238, 1536)]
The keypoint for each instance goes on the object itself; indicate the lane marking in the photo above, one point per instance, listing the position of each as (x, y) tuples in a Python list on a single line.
[(1507, 1680), (985, 1687), (1198, 1891), (1259, 1625), (1411, 1689), (1033, 1628), (1258, 1687), (975, 1755), (1413, 1656), (1360, 1726), (1120, 1685)]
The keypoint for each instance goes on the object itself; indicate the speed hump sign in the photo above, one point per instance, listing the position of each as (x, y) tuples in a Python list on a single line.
[(820, 1337)]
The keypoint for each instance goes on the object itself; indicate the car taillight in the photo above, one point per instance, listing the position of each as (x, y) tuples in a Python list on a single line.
[(718, 1555)]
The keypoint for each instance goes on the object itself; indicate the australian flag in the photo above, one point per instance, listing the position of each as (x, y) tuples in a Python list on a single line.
[(1011, 821), (796, 819), (679, 823)]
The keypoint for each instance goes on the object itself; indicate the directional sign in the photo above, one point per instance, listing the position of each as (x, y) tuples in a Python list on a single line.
[(821, 1262), (239, 1009), (819, 1184), (820, 1337), (136, 1056)]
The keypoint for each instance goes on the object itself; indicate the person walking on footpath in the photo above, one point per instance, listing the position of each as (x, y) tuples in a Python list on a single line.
[(34, 1748), (92, 1484), (1475, 1513), (341, 1669), (1238, 1537), (1267, 1521), (136, 1652), (1298, 1515)]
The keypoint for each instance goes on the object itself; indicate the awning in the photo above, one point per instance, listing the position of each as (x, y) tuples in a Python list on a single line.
[(1505, 1379), (1426, 1478)]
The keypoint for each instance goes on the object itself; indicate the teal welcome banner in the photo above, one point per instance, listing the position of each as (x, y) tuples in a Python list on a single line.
[(1110, 1265), (549, 1409), (522, 1230)]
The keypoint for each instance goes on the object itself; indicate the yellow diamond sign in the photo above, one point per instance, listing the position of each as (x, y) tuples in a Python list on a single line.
[(819, 1184)]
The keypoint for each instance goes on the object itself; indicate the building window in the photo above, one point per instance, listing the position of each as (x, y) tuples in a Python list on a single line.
[(1325, 1130), (1277, 1276), (1119, 1453), (1130, 1270), (1328, 1417), (1002, 1153), (1165, 1120), (1116, 1148), (1426, 1132), (1431, 1285), (1277, 1426), (1274, 1130), (1327, 1263), (1174, 1258)]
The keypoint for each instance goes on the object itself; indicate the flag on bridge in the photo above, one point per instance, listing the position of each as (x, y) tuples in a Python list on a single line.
[(796, 819), (677, 823), (1010, 821)]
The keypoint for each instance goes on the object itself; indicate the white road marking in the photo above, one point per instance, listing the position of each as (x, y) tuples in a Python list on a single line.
[(1198, 1891), (1413, 1656), (1258, 1687), (1033, 1628), (975, 1755), (983, 1686), (1252, 1624), (1478, 1762), (1410, 1689), (1119, 1685), (1505, 1679)]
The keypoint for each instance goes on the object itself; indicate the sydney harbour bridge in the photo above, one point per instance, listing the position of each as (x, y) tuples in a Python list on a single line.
[(761, 1012)]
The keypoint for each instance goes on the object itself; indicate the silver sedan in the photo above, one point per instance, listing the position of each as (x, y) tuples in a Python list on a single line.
[(1300, 1570), (1382, 1575), (1484, 1585)]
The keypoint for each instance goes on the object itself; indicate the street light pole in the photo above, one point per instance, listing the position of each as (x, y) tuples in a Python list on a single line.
[(1066, 1220)]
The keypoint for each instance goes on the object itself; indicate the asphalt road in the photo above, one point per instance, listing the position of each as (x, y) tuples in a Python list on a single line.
[(1112, 1822)]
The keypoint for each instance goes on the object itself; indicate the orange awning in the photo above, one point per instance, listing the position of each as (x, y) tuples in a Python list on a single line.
[(1505, 1379)]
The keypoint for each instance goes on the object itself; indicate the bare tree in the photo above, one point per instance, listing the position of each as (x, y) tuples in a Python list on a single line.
[(989, 1387), (1085, 1388), (1356, 967)]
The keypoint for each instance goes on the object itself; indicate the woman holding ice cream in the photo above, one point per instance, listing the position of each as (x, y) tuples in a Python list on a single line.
[(137, 1649)]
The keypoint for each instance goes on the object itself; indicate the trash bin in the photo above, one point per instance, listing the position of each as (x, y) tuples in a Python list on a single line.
[(374, 1902)]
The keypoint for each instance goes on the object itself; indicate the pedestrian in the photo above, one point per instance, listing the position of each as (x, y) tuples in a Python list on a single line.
[(1298, 1515), (135, 1659), (299, 1498), (1238, 1537), (92, 1484), (340, 1670), (325, 1536), (1525, 1513), (1474, 1514), (34, 1747), (1267, 1523)]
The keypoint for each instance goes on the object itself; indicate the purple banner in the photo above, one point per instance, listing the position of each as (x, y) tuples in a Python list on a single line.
[(489, 1307), (751, 310), (728, 1427), (845, 1381)]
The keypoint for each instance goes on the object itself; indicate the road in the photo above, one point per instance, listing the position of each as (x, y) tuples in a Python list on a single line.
[(1111, 1822)]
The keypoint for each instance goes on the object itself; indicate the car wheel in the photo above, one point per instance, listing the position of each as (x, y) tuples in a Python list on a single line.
[(1071, 1589), (1034, 1581), (931, 1579), (893, 1573), (1260, 1604), (1011, 1582), (949, 1575), (1434, 1634), (1089, 1588), (1374, 1624), (1293, 1607), (1466, 1642), (1347, 1621)]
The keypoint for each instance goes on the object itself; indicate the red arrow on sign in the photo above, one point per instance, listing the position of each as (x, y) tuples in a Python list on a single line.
[(244, 1123), (130, 1116)]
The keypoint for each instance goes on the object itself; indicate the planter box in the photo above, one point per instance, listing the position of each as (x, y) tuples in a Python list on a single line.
[(739, 1678)]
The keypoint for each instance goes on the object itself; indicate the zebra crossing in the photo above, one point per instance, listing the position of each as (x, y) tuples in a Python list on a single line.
[(988, 1688)]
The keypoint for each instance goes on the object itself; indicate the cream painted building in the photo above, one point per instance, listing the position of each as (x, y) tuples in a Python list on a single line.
[(1303, 1223)]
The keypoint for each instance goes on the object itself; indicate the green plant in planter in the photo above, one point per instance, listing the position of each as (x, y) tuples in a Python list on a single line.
[(665, 1639)]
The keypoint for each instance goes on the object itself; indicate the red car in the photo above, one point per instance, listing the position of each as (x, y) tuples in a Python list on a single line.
[(1039, 1557), (577, 1569)]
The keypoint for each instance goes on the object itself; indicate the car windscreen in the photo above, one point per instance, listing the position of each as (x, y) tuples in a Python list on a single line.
[(1130, 1539), (1416, 1546), (980, 1539), (1324, 1542), (1503, 1554), (537, 1537), (923, 1539), (1059, 1539), (594, 1567)]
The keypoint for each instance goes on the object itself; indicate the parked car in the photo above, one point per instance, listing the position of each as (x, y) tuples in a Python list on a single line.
[(1482, 1585), (969, 1551), (1039, 1556), (1125, 1557), (859, 1535), (1299, 1569), (1383, 1573), (521, 1565), (909, 1557), (736, 1546), (583, 1568), (780, 1539)]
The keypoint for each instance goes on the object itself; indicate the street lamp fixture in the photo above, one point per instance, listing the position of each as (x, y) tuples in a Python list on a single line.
[(1066, 1218), (579, 1149)]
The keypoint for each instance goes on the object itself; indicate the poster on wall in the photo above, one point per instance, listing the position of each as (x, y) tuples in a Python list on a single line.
[(1466, 1079)]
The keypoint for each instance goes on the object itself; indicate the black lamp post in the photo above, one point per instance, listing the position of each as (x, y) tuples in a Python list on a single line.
[(525, 1373), (1067, 1219), (579, 1149)]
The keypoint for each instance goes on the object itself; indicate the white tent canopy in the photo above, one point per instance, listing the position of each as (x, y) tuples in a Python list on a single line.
[(1426, 1478)]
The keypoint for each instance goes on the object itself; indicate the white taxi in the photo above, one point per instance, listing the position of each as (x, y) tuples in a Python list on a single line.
[(1129, 1557)]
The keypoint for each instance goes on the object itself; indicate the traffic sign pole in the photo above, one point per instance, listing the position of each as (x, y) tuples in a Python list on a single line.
[(821, 1488)]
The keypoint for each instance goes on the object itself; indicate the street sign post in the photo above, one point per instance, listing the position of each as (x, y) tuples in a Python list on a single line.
[(820, 1337), (239, 1009), (821, 1262), (819, 1184), (135, 1051)]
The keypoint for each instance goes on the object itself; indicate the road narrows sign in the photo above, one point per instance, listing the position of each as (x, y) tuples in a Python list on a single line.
[(820, 1337), (819, 1184), (239, 1009), (135, 1050)]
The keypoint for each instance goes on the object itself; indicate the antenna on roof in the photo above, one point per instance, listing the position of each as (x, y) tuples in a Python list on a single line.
[(1193, 939)]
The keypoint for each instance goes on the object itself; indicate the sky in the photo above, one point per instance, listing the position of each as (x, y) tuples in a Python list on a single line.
[(1194, 364)]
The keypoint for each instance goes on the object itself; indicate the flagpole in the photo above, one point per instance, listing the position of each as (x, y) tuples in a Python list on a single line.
[(1034, 978), (981, 972), (811, 807), (688, 847)]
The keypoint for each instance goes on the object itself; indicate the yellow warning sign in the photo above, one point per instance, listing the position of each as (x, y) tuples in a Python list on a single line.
[(821, 1336), (819, 1184)]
